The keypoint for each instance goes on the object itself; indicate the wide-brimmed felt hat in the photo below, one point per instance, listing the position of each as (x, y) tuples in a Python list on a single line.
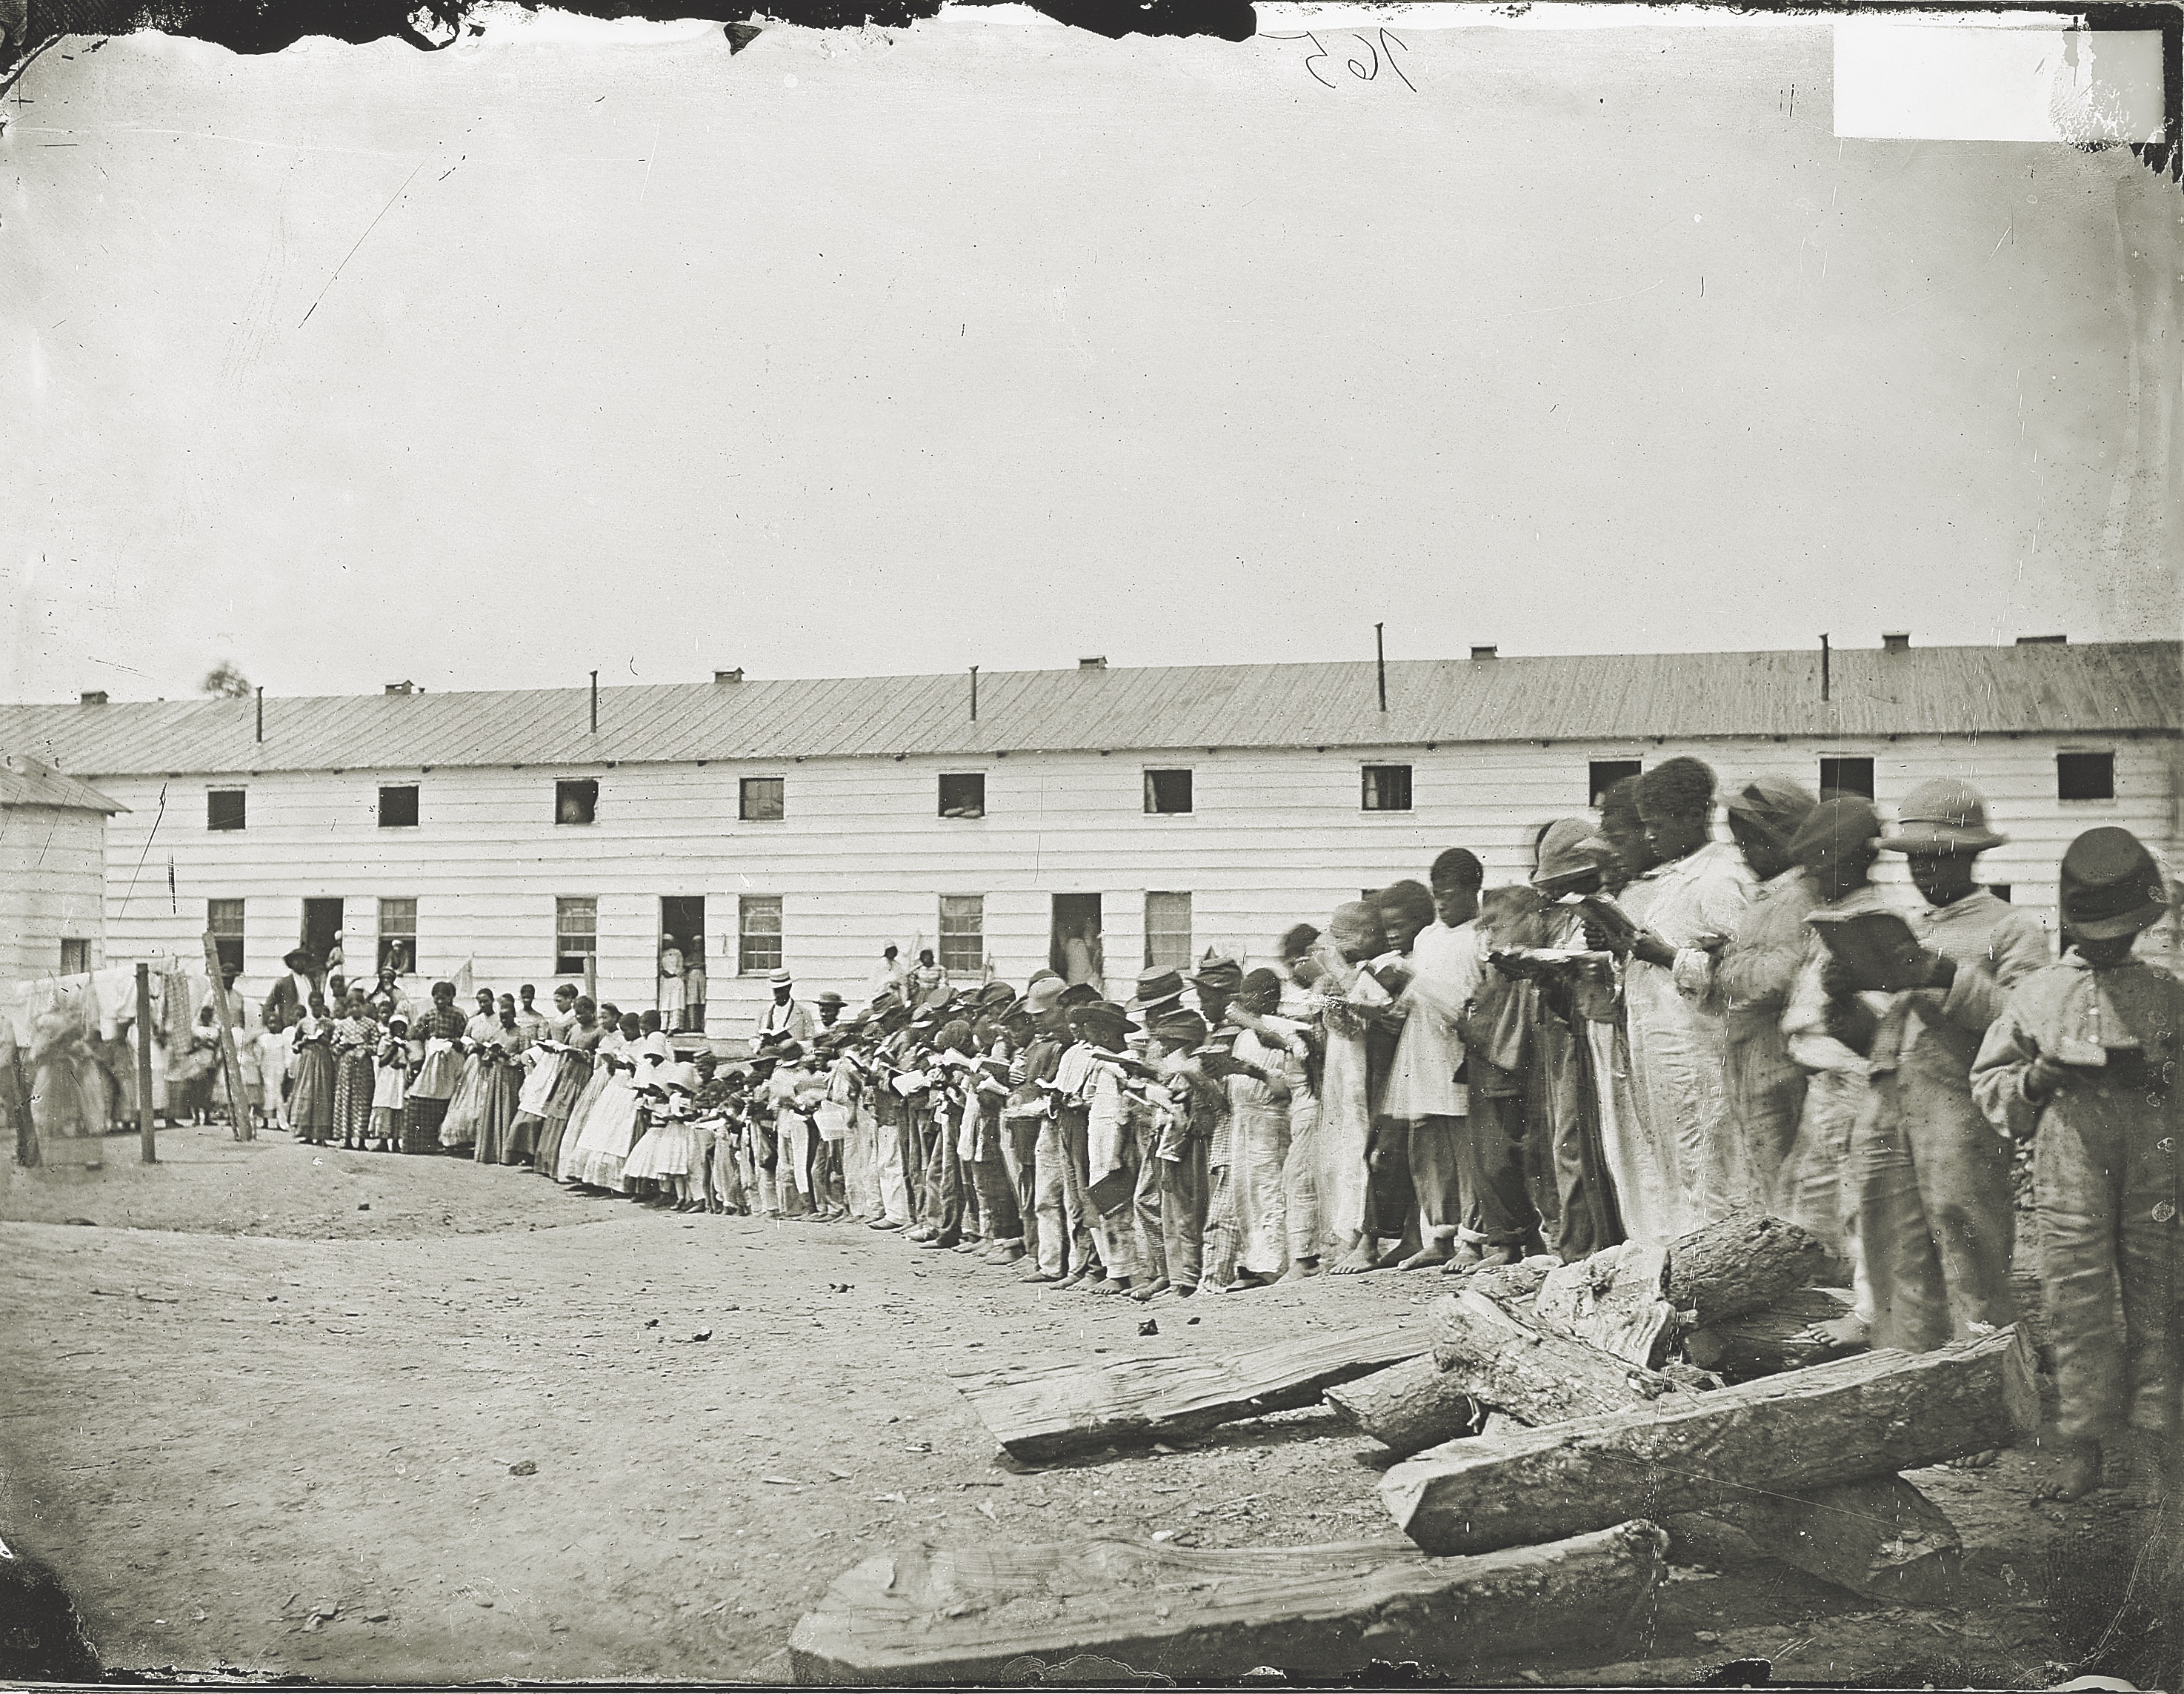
[(1572, 848), (291, 957), (1104, 1019), (1775, 805), (1044, 995), (1080, 994), (1217, 971), (1833, 826), (1157, 988), (1944, 816), (2112, 885), (830, 998), (1180, 1029), (995, 993)]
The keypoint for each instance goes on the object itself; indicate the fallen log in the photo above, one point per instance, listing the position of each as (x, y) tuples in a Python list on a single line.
[(1880, 1537), (974, 1613), (1615, 1300), (1745, 1262), (1051, 1412), (1491, 1354), (1871, 1415), (1407, 1407), (1775, 1338)]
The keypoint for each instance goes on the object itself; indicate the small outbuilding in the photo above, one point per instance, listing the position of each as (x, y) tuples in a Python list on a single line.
[(53, 872)]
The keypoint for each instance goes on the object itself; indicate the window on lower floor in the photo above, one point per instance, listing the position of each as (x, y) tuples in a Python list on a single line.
[(576, 933), (963, 932), (225, 808), (1603, 774), (1167, 791), (758, 934), (397, 806), (1168, 932), (398, 936), (75, 958), (963, 795), (1387, 787), (2084, 776), (1846, 775), (224, 922)]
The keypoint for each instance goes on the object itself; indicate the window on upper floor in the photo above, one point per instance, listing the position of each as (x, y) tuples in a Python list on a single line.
[(1603, 774), (963, 794), (224, 808), (397, 806), (1386, 787), (576, 802), (1846, 775), (2084, 776), (1167, 791), (760, 800)]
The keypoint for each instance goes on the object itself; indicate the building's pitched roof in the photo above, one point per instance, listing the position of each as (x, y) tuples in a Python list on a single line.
[(25, 781), (2102, 689)]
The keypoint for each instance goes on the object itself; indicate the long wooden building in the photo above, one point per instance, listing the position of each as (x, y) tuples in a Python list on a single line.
[(811, 823)]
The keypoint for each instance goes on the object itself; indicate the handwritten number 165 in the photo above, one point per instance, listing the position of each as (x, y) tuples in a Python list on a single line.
[(1364, 69)]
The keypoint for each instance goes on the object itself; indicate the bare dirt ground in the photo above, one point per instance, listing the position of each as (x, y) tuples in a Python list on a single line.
[(253, 1424)]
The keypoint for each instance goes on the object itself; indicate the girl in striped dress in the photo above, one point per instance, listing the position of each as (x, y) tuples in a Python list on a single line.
[(356, 1050)]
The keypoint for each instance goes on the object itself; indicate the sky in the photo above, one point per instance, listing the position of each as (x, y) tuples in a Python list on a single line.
[(993, 343)]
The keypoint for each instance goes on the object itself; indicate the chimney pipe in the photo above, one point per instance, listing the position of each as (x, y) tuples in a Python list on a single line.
[(1824, 667), (595, 702), (1380, 660), (261, 712), (974, 693)]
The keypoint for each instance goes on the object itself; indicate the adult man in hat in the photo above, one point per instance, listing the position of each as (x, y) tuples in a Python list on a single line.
[(1934, 1208), (290, 1002), (828, 1006), (1159, 992), (1216, 980), (787, 1018), (900, 1172), (2084, 1058)]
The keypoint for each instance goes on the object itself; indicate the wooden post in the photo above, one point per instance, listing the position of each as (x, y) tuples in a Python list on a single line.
[(146, 1144), (591, 977), (238, 1112)]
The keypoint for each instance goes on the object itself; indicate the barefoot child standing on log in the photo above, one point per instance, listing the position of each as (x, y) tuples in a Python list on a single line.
[(2083, 1061)]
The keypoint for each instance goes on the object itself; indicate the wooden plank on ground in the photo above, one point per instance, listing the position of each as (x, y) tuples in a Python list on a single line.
[(1049, 1413), (1871, 1415), (975, 1612), (1775, 1338), (1880, 1537), (1407, 1407), (1505, 1360), (1614, 1300), (1745, 1262)]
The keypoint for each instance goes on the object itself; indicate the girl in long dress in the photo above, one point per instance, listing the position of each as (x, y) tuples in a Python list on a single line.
[(610, 1120), (389, 1086), (572, 1139), (311, 1106), (459, 1128), (538, 1068), (356, 1051), (501, 1083), (571, 1077)]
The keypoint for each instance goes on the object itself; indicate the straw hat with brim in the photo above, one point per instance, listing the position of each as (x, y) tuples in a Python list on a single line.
[(779, 977), (1569, 849), (2111, 886), (1944, 816)]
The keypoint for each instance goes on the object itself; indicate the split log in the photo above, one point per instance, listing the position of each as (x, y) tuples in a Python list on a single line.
[(1499, 1359), (1741, 1264), (1513, 1285), (1871, 1415), (973, 1613), (1407, 1407), (1051, 1412), (1880, 1537), (1614, 1300), (1775, 1338)]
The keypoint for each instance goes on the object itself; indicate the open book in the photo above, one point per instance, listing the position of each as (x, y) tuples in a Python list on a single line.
[(1876, 949)]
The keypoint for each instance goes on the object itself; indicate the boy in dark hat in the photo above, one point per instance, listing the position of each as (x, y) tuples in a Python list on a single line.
[(1188, 1111), (1109, 1150), (1934, 1207), (2084, 1058), (1029, 1115)]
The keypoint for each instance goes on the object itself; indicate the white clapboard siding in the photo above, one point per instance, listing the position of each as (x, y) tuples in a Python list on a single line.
[(862, 857), (52, 871)]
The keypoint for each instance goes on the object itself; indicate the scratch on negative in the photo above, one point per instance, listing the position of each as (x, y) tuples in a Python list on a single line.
[(1999, 239), (361, 240)]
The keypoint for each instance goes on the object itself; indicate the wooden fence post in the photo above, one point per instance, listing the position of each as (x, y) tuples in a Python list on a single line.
[(241, 1125), (147, 1144)]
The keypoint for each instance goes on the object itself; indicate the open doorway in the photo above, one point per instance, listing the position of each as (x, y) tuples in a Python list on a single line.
[(1074, 948), (682, 926), (322, 926)]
